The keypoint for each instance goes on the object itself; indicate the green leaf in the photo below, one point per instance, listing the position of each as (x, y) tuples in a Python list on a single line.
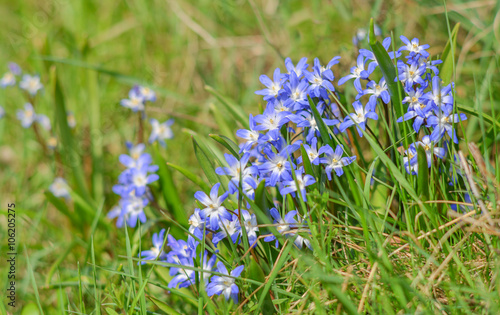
[(163, 306), (169, 189), (66, 136), (191, 176), (446, 68), (388, 70), (234, 109), (473, 112), (227, 143), (206, 163), (423, 174), (323, 130)]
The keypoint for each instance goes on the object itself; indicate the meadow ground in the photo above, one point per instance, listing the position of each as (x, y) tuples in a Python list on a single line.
[(90, 53)]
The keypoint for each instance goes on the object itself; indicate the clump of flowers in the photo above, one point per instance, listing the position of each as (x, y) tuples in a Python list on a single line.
[(301, 143)]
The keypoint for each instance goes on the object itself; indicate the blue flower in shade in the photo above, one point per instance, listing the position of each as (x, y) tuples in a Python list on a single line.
[(442, 121), (31, 84), (463, 208), (197, 221), (414, 47), (360, 117), (251, 227), (27, 116), (283, 225), (135, 100), (298, 69), (305, 119), (156, 251), (377, 91), (214, 210), (9, 78), (420, 113), (225, 285), (411, 160), (296, 91), (274, 87), (312, 151), (251, 136), (439, 96), (161, 132), (227, 228), (271, 119), (430, 149), (303, 180), (357, 73), (320, 81), (277, 165), (183, 277), (44, 121), (334, 160), (300, 241), (411, 74), (238, 170)]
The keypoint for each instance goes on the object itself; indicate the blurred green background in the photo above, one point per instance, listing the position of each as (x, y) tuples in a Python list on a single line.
[(102, 48)]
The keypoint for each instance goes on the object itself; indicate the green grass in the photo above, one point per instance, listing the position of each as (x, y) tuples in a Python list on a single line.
[(203, 58)]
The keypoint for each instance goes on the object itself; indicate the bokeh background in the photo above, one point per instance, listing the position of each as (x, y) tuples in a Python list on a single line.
[(102, 48)]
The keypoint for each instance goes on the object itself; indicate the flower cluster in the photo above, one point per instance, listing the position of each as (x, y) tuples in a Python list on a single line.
[(137, 97), (133, 186), (284, 151)]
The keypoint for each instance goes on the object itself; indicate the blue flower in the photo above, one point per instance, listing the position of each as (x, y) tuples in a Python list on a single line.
[(27, 116), (439, 96), (420, 113), (2, 112), (303, 180), (414, 47), (360, 117), (411, 74), (334, 160), (297, 93), (414, 98), (238, 170), (312, 151), (227, 228), (129, 210), (140, 179), (214, 210), (197, 221), (283, 225), (430, 149), (147, 93), (305, 119), (70, 117), (161, 132), (251, 136), (442, 122), (135, 100), (9, 78), (60, 188), (251, 227), (156, 251), (31, 84), (271, 119), (225, 285), (377, 91), (274, 87), (411, 160), (277, 165), (358, 72), (320, 82), (299, 69)]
